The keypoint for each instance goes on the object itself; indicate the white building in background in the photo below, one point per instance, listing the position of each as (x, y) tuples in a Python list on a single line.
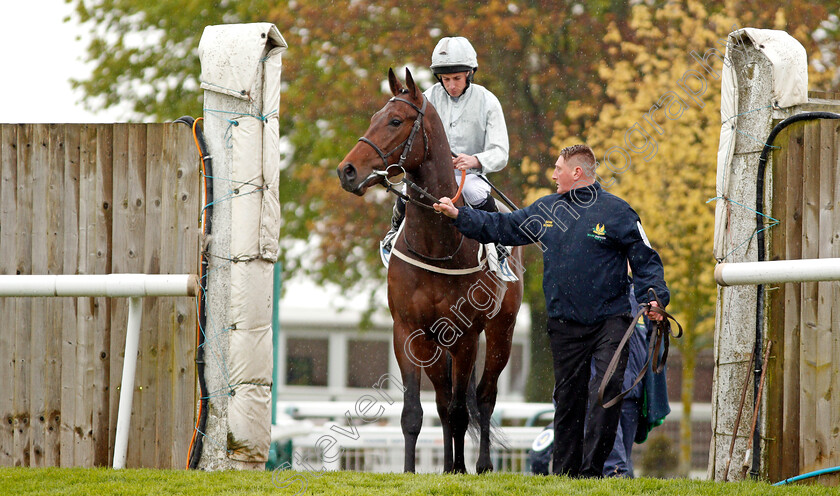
[(324, 355)]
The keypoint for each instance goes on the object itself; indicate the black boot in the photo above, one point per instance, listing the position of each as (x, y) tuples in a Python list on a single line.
[(488, 205)]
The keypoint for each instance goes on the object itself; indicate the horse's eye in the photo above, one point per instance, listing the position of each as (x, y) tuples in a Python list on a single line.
[(396, 122)]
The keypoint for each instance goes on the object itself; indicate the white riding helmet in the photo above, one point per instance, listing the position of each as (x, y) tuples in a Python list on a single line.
[(454, 54)]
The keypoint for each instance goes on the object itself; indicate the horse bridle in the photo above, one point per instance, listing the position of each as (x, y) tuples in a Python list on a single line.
[(406, 149)]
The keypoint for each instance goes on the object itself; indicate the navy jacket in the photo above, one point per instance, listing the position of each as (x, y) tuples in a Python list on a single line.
[(587, 236)]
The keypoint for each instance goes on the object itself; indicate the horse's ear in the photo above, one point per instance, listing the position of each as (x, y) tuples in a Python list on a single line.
[(412, 86), (396, 86)]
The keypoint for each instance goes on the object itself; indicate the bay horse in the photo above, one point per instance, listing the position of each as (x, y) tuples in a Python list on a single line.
[(441, 296)]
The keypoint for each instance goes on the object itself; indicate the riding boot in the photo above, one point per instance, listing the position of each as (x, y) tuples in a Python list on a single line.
[(387, 242), (488, 204), (504, 271)]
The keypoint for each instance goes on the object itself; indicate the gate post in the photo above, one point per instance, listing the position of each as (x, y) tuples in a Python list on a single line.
[(765, 73), (240, 73)]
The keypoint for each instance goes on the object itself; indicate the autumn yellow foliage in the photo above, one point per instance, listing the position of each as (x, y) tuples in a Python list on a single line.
[(657, 141)]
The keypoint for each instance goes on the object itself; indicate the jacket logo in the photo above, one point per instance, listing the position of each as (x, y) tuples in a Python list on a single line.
[(599, 233), (548, 223)]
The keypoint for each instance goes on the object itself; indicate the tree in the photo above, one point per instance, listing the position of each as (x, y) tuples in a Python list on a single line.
[(529, 55)]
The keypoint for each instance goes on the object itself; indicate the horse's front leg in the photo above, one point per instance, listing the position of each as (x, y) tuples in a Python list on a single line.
[(411, 422), (459, 415), (486, 403), (411, 419), (498, 353), (412, 356), (438, 373)]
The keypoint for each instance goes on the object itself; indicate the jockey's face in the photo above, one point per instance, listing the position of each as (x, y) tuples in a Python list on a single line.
[(454, 83)]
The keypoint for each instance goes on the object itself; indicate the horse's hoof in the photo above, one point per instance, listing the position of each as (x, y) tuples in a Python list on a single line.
[(481, 469)]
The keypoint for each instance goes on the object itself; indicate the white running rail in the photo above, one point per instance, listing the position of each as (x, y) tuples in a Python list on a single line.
[(778, 271)]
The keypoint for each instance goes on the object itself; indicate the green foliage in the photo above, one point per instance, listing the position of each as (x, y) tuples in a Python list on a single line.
[(534, 56), (144, 52), (131, 482)]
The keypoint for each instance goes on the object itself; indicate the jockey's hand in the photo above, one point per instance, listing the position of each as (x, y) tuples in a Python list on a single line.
[(654, 315), (463, 162), (447, 208)]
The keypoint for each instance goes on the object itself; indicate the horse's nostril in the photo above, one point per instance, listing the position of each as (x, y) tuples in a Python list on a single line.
[(349, 172)]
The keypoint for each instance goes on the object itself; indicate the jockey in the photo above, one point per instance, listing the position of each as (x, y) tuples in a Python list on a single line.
[(475, 127)]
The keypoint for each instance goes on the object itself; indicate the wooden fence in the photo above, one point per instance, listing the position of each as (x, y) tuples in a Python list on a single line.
[(96, 199), (803, 388)]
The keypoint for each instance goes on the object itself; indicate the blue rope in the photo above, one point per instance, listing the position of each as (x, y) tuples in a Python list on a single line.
[(220, 358), (229, 390), (748, 112), (266, 116), (213, 440), (225, 391), (775, 222), (260, 117), (757, 140), (231, 195), (228, 134), (244, 183), (240, 114)]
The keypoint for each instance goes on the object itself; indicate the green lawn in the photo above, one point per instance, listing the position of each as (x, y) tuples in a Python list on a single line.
[(54, 481)]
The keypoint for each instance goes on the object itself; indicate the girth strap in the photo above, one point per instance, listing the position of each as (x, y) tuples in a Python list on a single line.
[(431, 268)]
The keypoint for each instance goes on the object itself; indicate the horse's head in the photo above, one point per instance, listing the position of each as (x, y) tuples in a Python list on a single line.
[(389, 146)]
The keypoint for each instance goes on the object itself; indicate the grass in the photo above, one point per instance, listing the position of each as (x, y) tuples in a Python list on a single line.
[(78, 481)]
